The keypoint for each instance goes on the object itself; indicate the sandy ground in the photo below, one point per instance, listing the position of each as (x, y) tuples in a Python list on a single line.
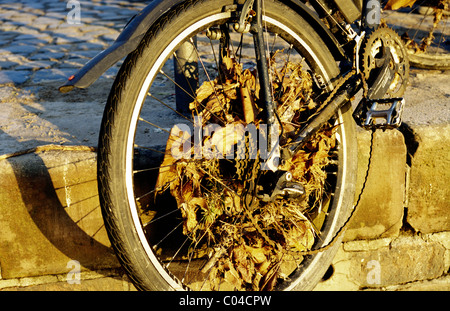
[(39, 115)]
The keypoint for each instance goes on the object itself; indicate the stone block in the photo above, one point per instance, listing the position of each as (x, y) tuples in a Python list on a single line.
[(15, 77), (407, 259), (339, 280), (104, 280), (375, 264), (50, 215), (442, 238), (101, 284), (429, 191), (380, 210), (440, 284)]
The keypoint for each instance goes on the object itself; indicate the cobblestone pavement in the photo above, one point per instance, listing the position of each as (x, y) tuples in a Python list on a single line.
[(40, 40), (41, 46), (42, 43)]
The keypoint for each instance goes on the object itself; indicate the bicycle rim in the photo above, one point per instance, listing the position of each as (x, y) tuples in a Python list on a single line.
[(163, 224), (427, 40)]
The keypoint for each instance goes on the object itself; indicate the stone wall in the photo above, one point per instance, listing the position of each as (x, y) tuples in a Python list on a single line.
[(51, 225), (398, 239), (399, 236)]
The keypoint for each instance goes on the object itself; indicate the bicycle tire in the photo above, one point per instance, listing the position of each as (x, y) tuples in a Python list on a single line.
[(430, 61), (414, 25), (117, 180)]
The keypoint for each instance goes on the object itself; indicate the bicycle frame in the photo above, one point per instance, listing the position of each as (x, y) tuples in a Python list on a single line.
[(370, 21), (369, 12), (136, 28)]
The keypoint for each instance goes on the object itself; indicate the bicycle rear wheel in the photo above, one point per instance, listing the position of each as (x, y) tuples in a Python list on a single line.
[(425, 31), (183, 212)]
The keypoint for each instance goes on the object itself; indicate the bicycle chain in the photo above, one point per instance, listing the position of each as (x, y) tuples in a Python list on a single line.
[(242, 158), (245, 169), (344, 226), (341, 230), (336, 88), (248, 172)]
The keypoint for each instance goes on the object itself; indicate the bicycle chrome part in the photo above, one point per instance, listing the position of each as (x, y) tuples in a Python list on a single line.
[(281, 186), (385, 64), (380, 114)]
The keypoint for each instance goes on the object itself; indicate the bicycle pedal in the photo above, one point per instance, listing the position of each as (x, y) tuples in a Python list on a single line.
[(379, 113)]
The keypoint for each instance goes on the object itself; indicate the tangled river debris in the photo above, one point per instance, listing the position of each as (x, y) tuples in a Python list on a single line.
[(249, 244)]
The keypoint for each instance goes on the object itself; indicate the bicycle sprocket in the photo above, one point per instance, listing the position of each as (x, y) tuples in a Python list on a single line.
[(376, 44)]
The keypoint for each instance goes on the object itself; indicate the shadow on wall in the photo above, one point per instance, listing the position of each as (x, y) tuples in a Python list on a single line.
[(51, 214)]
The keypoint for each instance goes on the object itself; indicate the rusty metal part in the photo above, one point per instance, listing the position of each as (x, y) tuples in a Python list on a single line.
[(376, 45)]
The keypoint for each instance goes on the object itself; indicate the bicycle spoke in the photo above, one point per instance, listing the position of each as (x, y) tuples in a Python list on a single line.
[(159, 218), (209, 80), (177, 84), (155, 190), (174, 110), (149, 149), (441, 38), (166, 236)]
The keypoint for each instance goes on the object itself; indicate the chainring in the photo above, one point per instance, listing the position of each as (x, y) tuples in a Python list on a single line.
[(372, 59)]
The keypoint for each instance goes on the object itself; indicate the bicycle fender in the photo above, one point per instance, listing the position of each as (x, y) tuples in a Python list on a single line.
[(137, 27), (322, 30), (126, 42)]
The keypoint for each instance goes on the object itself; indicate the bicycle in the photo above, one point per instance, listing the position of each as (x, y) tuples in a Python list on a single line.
[(424, 30), (227, 152)]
